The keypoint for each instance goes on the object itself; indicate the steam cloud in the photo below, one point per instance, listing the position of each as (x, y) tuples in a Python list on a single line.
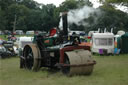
[(79, 15)]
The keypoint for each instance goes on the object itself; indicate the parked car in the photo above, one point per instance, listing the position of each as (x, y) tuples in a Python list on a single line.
[(40, 32), (30, 33), (1, 41), (11, 38), (6, 49), (3, 52), (7, 32), (1, 32), (77, 32), (19, 32)]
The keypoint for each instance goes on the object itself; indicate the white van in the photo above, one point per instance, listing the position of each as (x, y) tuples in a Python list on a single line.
[(19, 32), (30, 33), (21, 42)]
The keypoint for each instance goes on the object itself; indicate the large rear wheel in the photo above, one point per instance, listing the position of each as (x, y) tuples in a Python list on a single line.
[(31, 57)]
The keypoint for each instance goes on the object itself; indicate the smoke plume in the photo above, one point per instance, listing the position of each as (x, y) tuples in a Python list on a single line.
[(78, 16)]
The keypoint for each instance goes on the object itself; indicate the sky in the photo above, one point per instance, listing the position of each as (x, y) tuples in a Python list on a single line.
[(121, 7), (55, 2), (95, 3)]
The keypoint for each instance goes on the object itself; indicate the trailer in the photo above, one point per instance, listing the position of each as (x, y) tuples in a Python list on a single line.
[(103, 43)]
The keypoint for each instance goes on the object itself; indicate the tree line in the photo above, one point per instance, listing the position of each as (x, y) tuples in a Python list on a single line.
[(30, 15)]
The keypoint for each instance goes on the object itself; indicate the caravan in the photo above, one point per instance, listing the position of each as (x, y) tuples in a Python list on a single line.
[(103, 43)]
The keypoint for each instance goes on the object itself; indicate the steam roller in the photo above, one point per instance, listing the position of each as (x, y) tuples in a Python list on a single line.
[(58, 50), (79, 62)]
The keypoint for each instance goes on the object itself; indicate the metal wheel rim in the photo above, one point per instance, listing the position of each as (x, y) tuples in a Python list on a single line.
[(29, 58), (32, 57)]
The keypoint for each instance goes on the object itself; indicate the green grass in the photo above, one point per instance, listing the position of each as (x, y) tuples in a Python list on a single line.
[(4, 37), (109, 70)]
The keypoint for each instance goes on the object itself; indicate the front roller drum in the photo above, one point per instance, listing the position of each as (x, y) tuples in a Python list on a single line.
[(78, 62)]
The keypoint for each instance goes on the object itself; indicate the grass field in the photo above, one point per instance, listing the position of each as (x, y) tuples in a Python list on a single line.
[(109, 70), (3, 37)]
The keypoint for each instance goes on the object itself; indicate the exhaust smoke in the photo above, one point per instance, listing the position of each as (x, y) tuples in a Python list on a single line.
[(78, 16)]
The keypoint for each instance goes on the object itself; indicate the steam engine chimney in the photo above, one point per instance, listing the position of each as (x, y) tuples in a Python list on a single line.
[(65, 23)]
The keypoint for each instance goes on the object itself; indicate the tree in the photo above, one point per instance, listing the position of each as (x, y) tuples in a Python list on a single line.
[(115, 1), (30, 15), (112, 18), (2, 20), (17, 14), (5, 3), (48, 19), (29, 4)]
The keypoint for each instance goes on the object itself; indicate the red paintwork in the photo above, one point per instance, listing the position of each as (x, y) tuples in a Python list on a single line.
[(89, 37), (86, 44), (53, 32)]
